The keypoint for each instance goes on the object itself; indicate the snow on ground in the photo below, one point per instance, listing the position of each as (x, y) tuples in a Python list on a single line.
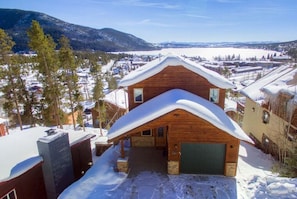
[(254, 180)]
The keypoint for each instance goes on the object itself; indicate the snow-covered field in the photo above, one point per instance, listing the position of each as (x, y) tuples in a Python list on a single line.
[(254, 180)]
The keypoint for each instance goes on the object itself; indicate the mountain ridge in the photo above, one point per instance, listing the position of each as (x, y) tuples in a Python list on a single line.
[(16, 23)]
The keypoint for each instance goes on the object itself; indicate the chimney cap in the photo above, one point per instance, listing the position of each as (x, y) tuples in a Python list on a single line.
[(50, 132)]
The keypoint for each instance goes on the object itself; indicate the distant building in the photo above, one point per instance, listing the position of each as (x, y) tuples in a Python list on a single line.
[(270, 115), (3, 127), (116, 105)]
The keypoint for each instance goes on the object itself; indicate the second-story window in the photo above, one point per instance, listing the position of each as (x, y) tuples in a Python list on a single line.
[(265, 117), (10, 195), (138, 95), (214, 94)]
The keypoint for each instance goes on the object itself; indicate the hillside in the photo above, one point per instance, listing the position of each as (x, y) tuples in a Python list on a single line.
[(16, 23)]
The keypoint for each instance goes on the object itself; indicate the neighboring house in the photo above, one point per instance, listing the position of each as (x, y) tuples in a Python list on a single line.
[(69, 119), (177, 105), (270, 116), (30, 157), (281, 58), (3, 127), (116, 105)]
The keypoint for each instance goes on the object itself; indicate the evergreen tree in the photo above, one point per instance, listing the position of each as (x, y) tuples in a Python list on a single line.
[(47, 67), (112, 83), (291, 165), (98, 96), (11, 74), (69, 76), (80, 119)]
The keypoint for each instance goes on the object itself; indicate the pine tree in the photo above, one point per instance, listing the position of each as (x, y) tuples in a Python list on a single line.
[(112, 82), (98, 96), (11, 74), (291, 165), (80, 119), (48, 67), (69, 76)]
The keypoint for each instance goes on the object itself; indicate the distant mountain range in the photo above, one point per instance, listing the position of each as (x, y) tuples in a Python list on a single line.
[(17, 22), (269, 45)]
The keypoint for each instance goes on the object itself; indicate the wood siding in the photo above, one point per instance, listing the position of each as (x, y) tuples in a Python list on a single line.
[(173, 77), (186, 127), (113, 113), (28, 185), (81, 158)]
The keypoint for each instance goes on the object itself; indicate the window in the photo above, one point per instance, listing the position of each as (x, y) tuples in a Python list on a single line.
[(160, 132), (138, 95), (214, 95), (265, 117), (146, 133), (10, 195)]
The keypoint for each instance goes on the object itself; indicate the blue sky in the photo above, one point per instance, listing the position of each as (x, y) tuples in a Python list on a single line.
[(177, 20)]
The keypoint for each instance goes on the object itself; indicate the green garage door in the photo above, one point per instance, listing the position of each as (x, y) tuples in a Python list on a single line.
[(202, 158)]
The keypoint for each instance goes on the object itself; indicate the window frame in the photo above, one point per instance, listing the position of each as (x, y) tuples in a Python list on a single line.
[(7, 196), (265, 117), (135, 95), (160, 132), (214, 95), (146, 135)]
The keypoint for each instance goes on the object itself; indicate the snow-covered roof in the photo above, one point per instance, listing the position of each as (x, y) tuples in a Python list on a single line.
[(271, 83), (118, 97), (172, 100), (230, 105), (158, 65), (19, 152), (284, 84)]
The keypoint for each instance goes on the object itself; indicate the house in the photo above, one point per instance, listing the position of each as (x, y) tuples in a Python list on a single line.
[(270, 116), (30, 157), (116, 105), (177, 105), (3, 127)]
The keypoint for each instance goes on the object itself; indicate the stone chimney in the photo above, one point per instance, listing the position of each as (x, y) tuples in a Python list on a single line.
[(57, 166)]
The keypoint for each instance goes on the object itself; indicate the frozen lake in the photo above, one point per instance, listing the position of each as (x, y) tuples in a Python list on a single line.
[(210, 53)]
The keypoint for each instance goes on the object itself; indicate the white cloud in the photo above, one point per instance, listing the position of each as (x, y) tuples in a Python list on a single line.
[(197, 16), (144, 3), (229, 1), (147, 22)]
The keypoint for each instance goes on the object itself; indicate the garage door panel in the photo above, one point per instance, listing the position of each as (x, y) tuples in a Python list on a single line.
[(202, 158)]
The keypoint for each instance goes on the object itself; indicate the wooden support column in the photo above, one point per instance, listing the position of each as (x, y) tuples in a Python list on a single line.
[(122, 162), (122, 149)]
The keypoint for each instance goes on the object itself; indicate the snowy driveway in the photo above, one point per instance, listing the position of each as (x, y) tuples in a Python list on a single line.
[(152, 185), (254, 180)]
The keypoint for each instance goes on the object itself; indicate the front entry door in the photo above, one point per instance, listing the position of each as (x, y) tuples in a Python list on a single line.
[(161, 137)]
